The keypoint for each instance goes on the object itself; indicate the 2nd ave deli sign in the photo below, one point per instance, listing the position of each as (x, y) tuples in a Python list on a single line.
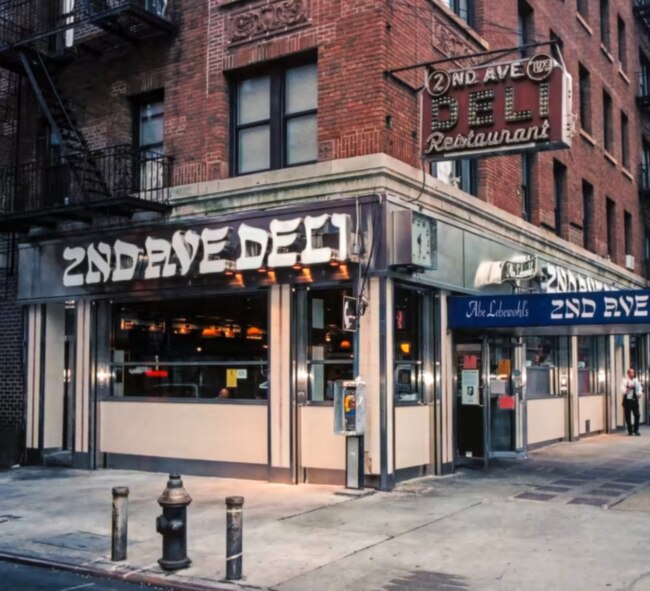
[(488, 110)]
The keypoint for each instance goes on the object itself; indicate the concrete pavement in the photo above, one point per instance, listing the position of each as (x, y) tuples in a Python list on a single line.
[(573, 516)]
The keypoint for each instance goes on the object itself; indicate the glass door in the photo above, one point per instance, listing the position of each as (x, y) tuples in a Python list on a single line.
[(471, 432), (507, 400)]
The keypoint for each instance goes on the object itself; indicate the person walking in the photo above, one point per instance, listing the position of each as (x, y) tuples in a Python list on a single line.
[(631, 390)]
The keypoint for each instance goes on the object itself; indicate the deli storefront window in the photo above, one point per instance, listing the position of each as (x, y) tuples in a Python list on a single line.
[(408, 346), (330, 348), (209, 348)]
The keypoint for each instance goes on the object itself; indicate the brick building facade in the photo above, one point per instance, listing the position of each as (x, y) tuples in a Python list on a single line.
[(290, 103)]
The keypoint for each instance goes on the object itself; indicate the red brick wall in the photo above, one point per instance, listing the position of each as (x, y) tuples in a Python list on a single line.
[(360, 110)]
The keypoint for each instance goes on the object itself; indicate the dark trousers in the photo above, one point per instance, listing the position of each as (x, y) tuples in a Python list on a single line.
[(631, 407)]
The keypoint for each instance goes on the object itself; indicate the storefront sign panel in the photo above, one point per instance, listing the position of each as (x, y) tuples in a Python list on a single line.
[(543, 310), (497, 108)]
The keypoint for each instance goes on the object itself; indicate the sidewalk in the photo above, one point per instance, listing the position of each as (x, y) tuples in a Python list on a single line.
[(574, 516)]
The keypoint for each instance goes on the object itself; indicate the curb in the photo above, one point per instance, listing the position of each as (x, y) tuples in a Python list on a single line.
[(119, 574)]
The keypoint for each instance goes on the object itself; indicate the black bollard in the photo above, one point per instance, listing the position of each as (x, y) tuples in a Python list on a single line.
[(120, 523), (234, 537)]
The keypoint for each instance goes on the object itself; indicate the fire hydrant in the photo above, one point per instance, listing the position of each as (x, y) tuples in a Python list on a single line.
[(172, 524)]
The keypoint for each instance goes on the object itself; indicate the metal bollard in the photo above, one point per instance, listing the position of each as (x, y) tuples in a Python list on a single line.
[(119, 523), (234, 537)]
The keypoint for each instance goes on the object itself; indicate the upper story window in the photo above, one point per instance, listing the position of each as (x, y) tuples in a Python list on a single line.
[(275, 119), (149, 134), (644, 75), (587, 215), (526, 186), (608, 131), (525, 26), (610, 212), (582, 6), (622, 43), (559, 194), (625, 140), (604, 22), (464, 9), (584, 88), (459, 173)]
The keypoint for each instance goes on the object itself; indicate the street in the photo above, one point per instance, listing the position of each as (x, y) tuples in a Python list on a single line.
[(19, 577)]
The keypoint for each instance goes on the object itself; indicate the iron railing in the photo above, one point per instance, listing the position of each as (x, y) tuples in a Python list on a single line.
[(27, 21), (156, 7), (124, 172)]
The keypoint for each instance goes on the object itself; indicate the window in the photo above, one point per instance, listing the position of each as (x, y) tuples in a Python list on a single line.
[(592, 364), (587, 215), (559, 193), (625, 140), (408, 345), (611, 228), (644, 75), (644, 181), (585, 98), (460, 173), (212, 347), (150, 125), (559, 43), (547, 363), (608, 132), (525, 26), (464, 9), (275, 119), (582, 6), (330, 353), (622, 43), (526, 188), (604, 23), (628, 232)]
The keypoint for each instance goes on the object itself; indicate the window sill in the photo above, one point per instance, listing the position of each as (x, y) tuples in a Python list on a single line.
[(584, 23), (607, 53), (587, 137), (623, 75), (165, 400), (610, 157), (628, 174)]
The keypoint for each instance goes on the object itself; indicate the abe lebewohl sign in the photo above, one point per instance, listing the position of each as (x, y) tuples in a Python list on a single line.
[(497, 108)]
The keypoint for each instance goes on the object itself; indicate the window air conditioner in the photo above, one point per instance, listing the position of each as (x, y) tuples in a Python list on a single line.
[(629, 262)]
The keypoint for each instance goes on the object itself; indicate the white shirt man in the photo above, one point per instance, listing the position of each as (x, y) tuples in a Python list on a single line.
[(631, 390)]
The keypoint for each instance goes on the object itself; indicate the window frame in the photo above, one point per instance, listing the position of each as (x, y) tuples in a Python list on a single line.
[(278, 117)]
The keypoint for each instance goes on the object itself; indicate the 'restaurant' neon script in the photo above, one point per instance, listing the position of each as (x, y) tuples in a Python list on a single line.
[(211, 251), (439, 142)]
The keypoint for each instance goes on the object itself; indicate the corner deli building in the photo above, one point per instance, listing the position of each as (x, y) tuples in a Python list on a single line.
[(209, 343)]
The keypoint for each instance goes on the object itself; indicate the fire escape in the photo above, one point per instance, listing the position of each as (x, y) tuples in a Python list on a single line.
[(75, 182)]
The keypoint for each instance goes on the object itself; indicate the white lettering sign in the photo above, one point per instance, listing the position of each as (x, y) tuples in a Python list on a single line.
[(208, 251)]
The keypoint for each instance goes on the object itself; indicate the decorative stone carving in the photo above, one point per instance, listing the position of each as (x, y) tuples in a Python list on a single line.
[(262, 20), (450, 42)]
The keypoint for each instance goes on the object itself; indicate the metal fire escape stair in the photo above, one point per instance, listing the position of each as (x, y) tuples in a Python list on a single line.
[(72, 146)]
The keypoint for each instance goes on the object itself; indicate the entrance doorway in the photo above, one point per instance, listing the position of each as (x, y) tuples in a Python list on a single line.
[(490, 400)]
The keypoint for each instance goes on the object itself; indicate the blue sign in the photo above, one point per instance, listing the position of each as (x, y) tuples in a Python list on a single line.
[(556, 309)]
